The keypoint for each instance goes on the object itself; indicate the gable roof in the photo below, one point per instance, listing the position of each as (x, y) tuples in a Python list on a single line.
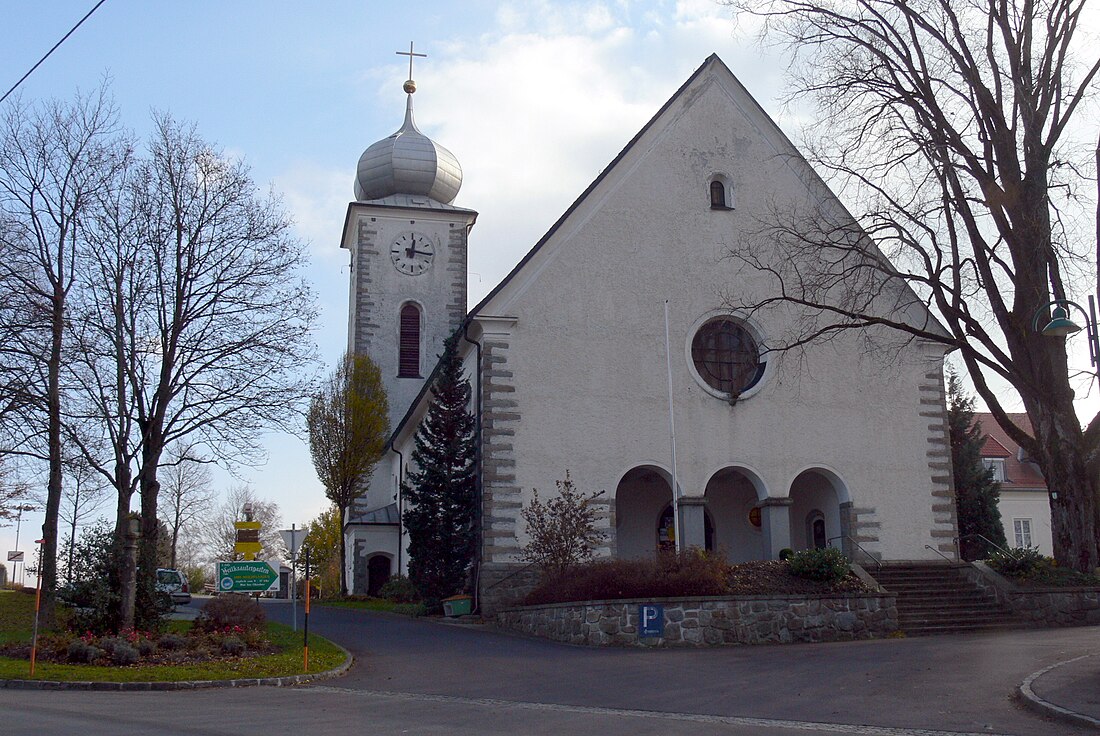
[(711, 62), (1019, 473)]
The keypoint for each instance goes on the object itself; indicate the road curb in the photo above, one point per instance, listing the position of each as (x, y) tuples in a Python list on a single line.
[(1030, 699), (288, 681)]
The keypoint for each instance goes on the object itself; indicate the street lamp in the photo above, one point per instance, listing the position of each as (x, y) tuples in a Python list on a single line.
[(1060, 325)]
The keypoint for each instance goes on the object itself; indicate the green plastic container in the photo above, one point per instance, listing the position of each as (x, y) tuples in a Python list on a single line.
[(457, 605)]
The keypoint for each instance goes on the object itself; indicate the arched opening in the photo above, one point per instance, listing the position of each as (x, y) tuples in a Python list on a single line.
[(815, 511), (732, 498), (815, 530), (666, 531), (408, 345), (640, 499), (378, 573), (718, 199)]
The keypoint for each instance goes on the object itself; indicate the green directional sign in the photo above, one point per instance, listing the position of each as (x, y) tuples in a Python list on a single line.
[(255, 576)]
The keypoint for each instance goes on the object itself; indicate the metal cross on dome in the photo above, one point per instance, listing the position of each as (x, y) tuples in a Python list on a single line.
[(410, 54)]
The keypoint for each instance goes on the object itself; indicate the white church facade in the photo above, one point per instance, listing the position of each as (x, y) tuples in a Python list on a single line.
[(572, 368)]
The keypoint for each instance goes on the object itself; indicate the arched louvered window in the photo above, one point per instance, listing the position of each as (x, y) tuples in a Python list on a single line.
[(718, 195), (408, 359)]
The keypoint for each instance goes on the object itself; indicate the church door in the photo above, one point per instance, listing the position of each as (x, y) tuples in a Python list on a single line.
[(378, 574)]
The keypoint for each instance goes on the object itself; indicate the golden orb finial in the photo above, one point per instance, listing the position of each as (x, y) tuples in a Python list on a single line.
[(409, 86)]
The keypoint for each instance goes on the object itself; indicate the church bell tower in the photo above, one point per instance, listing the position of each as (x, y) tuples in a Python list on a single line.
[(408, 260)]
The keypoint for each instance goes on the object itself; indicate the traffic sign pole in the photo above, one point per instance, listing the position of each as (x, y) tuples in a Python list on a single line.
[(305, 624)]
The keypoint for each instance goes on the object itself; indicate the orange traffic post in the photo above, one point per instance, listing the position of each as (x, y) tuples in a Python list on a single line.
[(37, 606)]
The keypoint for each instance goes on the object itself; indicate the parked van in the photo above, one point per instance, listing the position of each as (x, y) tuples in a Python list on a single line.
[(174, 583)]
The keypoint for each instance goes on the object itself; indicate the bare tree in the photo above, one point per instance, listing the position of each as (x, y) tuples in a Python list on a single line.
[(53, 158), (219, 535), (348, 425), (197, 320), (950, 128), (187, 492), (82, 496)]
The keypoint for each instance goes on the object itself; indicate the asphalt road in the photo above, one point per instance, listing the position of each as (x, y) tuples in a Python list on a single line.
[(426, 677)]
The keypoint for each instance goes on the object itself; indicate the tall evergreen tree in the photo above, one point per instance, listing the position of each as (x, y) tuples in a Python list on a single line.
[(441, 492), (976, 493)]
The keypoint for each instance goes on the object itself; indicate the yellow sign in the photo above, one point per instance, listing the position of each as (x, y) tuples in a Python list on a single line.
[(248, 549), (246, 524)]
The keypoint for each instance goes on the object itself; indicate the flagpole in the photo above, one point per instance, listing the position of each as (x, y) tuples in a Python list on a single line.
[(672, 438)]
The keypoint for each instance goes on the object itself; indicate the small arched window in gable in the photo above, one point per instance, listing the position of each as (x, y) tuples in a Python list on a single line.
[(721, 194), (408, 360)]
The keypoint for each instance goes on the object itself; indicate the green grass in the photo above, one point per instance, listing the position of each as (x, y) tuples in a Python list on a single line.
[(375, 604), (16, 619)]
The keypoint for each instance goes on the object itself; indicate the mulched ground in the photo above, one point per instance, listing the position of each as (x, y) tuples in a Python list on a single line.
[(771, 577)]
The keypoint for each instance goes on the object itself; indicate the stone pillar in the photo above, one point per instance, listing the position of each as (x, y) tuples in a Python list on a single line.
[(692, 526), (775, 521)]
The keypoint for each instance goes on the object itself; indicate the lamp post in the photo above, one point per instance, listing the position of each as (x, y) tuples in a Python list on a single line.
[(1060, 325)]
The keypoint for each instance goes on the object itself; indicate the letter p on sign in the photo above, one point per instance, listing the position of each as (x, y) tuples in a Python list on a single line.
[(651, 620)]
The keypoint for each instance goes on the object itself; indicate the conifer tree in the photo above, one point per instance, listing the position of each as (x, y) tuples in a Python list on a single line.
[(440, 493), (976, 493)]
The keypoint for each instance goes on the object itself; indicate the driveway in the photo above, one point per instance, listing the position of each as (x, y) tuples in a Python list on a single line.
[(428, 677)]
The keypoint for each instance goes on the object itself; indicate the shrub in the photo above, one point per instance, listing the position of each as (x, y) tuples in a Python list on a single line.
[(1017, 562), (229, 610), (171, 642), (146, 647), (563, 530), (233, 646), (124, 654), (786, 553), (690, 573), (81, 652), (411, 609), (399, 589), (827, 565)]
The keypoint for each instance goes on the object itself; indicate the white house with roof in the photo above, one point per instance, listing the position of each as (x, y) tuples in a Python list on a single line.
[(1025, 501), (573, 370)]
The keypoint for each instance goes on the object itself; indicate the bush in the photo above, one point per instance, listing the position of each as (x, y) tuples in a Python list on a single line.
[(1017, 562), (786, 553), (827, 565), (233, 646), (690, 573), (81, 652), (171, 642), (146, 647), (124, 654), (229, 610), (399, 589)]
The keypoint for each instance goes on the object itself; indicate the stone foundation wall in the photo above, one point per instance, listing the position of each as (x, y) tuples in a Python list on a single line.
[(1054, 607), (503, 585), (711, 621)]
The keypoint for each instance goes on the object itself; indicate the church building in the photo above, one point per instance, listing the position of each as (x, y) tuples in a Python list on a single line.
[(614, 351)]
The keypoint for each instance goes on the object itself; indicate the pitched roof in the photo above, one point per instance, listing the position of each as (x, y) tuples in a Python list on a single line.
[(1019, 474)]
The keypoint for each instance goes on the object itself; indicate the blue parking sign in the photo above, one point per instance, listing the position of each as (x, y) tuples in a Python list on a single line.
[(651, 620)]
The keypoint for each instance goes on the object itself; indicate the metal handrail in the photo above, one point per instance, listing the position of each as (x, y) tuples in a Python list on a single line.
[(941, 554), (878, 563), (985, 539)]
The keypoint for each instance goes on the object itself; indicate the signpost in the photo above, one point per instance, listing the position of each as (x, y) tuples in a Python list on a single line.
[(254, 576), (15, 556), (290, 539)]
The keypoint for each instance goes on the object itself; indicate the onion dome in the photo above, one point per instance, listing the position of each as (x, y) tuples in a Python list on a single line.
[(408, 162)]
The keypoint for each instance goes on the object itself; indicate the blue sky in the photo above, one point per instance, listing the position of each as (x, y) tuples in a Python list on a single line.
[(534, 98)]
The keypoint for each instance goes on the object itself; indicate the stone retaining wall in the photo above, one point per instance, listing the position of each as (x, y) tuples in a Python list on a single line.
[(1051, 607), (712, 621)]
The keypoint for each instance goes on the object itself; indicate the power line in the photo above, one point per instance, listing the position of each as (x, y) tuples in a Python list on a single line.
[(89, 15)]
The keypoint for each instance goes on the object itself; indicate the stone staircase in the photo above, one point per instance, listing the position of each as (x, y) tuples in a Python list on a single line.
[(938, 599)]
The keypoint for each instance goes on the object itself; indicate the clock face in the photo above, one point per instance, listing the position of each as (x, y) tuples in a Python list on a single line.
[(412, 253)]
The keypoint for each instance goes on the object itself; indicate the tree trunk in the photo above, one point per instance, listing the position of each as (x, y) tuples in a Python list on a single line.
[(48, 572), (343, 556), (1073, 488)]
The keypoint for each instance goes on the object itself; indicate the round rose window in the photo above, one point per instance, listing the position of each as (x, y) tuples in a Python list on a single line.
[(726, 356)]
